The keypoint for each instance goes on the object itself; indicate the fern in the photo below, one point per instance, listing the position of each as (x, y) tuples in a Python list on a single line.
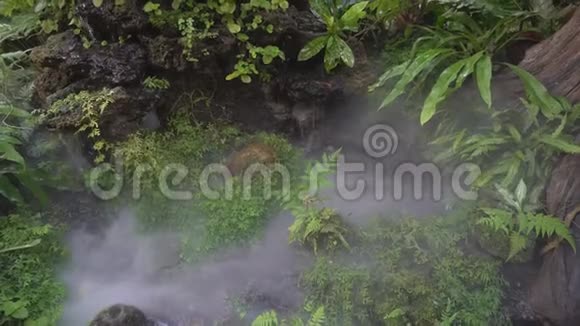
[(268, 318), (318, 317), (519, 223)]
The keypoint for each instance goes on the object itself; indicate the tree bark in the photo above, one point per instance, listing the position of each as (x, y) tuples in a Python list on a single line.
[(556, 61), (555, 294)]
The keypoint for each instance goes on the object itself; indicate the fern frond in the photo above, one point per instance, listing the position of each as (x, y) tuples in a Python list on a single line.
[(268, 318), (517, 244), (318, 317)]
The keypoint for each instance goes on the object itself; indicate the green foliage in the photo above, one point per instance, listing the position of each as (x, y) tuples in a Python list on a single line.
[(198, 22), (408, 273), (30, 292), (16, 176), (86, 108), (246, 66), (518, 222), (270, 318), (513, 144), (458, 46), (153, 82), (339, 20), (207, 223), (314, 226)]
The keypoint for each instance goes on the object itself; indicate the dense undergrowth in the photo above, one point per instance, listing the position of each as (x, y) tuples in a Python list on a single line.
[(391, 273)]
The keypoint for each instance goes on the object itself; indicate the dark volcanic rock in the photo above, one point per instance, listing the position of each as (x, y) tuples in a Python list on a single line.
[(110, 21), (114, 64), (121, 315), (121, 117)]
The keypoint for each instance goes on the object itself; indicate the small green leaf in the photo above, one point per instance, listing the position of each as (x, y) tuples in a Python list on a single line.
[(246, 79), (312, 48), (521, 192), (483, 71), (352, 16), (98, 3), (233, 27), (176, 4)]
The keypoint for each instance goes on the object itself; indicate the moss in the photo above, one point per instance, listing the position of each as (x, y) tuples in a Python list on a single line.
[(206, 223)]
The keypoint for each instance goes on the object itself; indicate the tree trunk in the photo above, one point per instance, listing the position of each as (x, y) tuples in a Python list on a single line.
[(556, 61), (555, 294)]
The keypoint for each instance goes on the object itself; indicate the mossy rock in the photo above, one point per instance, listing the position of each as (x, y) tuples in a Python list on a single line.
[(121, 315), (253, 153)]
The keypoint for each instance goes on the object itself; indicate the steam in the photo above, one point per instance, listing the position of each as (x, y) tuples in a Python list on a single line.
[(122, 266)]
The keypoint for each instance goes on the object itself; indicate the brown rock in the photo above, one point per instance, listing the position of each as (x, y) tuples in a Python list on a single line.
[(251, 154)]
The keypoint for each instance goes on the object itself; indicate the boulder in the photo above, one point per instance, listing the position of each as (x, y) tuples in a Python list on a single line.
[(121, 315)]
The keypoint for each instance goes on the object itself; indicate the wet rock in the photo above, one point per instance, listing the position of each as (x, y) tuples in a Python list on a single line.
[(165, 53), (121, 315), (64, 57)]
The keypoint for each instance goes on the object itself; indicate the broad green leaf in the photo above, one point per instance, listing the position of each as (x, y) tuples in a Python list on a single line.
[(352, 16), (346, 54), (439, 90), (26, 246), (420, 63), (12, 111), (483, 71), (537, 93), (467, 69), (8, 152), (9, 191), (312, 48), (390, 73), (98, 3), (561, 144), (321, 8), (332, 53)]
